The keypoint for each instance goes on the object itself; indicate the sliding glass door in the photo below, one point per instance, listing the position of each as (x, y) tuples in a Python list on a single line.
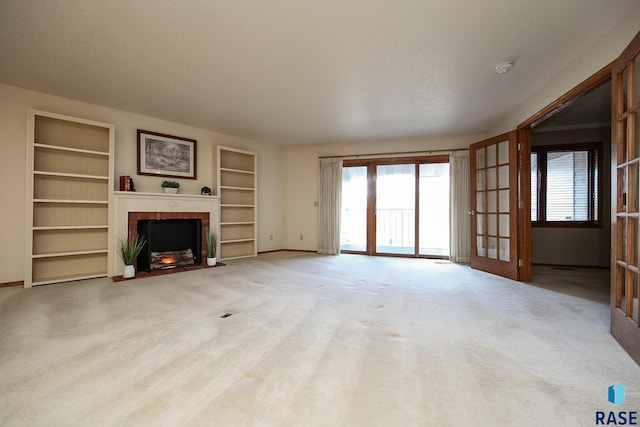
[(353, 224), (396, 207), (434, 209)]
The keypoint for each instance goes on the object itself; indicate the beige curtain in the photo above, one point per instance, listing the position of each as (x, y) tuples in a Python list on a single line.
[(330, 200), (460, 245)]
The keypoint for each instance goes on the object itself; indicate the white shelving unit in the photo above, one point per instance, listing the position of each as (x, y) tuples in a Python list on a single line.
[(69, 193), (237, 189)]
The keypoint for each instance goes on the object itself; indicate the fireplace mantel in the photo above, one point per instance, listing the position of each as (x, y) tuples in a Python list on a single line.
[(128, 201)]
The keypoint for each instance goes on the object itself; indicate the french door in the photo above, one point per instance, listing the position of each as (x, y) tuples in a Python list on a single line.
[(494, 204), (625, 268), (396, 207)]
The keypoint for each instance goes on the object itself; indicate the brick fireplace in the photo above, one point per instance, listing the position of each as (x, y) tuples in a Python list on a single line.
[(130, 207), (134, 217)]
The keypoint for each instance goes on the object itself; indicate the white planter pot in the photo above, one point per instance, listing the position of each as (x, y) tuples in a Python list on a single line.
[(129, 271), (212, 261), (170, 190)]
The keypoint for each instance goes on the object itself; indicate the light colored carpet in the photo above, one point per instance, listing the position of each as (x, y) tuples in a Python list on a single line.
[(313, 341)]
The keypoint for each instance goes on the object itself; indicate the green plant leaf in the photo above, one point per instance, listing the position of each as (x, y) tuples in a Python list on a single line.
[(212, 243), (130, 248)]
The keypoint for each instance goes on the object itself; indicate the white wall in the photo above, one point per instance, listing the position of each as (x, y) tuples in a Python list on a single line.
[(577, 246), (302, 171), (13, 136)]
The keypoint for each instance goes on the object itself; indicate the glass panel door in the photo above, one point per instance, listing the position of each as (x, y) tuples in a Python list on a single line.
[(625, 286), (396, 209), (434, 209), (353, 224), (494, 201)]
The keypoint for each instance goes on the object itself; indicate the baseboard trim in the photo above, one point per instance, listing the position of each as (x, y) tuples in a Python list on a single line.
[(601, 267), (288, 250), (7, 284)]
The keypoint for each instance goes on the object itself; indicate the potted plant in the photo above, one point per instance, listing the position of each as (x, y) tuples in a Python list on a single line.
[(170, 186), (212, 247), (129, 249)]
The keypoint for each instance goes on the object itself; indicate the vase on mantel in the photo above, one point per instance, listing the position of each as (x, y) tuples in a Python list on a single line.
[(170, 186)]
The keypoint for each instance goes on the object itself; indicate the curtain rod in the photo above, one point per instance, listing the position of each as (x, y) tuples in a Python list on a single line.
[(393, 153)]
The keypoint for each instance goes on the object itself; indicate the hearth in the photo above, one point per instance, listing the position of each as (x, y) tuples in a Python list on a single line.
[(169, 243)]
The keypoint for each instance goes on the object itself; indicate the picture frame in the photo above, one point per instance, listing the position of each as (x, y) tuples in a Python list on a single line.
[(165, 155)]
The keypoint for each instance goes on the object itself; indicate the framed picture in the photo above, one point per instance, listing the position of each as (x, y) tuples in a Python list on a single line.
[(166, 155)]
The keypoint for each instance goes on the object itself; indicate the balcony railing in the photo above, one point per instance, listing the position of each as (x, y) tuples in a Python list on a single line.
[(394, 227), (395, 232)]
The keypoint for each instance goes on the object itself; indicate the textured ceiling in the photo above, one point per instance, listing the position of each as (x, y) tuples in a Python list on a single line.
[(297, 72)]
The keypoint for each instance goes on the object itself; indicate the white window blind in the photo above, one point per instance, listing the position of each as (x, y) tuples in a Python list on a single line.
[(568, 186), (564, 184)]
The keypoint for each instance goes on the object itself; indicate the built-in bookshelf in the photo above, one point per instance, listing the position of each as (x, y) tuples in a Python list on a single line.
[(237, 189), (69, 192)]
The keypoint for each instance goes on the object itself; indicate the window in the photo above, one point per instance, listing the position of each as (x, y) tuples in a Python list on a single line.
[(565, 185)]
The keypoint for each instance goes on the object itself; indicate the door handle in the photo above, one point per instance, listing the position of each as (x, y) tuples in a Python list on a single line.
[(472, 213)]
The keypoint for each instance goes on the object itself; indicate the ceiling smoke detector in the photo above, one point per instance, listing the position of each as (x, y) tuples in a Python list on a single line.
[(504, 67)]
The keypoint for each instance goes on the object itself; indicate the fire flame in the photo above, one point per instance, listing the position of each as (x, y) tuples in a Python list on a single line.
[(169, 260)]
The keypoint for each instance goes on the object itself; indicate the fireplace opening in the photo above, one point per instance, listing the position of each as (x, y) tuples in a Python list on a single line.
[(169, 243), (171, 259)]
